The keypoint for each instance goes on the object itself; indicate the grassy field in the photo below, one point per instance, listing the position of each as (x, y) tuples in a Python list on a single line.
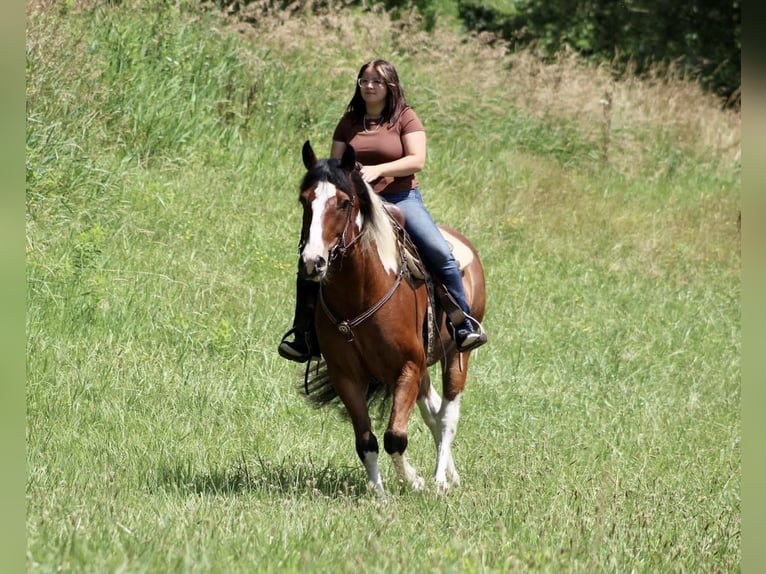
[(600, 428)]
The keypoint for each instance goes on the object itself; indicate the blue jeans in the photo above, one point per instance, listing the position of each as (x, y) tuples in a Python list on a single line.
[(432, 247)]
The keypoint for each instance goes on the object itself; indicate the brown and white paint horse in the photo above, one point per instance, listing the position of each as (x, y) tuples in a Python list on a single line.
[(370, 321)]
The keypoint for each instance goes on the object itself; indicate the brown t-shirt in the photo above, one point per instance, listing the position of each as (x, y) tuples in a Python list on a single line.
[(381, 144)]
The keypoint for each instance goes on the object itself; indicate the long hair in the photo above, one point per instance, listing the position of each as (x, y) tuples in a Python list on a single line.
[(395, 100)]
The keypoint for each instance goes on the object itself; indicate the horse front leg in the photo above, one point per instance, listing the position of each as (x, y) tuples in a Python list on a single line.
[(395, 439), (354, 398), (367, 449)]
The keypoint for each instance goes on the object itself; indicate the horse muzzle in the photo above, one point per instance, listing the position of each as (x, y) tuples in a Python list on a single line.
[(312, 268)]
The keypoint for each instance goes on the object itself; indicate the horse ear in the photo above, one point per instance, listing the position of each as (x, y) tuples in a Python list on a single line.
[(348, 161), (309, 158)]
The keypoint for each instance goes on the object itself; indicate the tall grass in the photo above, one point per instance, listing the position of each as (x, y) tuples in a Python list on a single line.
[(600, 427)]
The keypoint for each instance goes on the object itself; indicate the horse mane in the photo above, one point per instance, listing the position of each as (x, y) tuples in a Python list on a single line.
[(379, 230), (375, 223)]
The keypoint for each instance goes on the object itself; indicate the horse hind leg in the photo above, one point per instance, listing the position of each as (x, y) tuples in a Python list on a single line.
[(445, 463), (441, 417), (430, 403), (455, 371)]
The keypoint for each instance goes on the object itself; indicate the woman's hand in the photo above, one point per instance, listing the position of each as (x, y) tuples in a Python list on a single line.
[(370, 173)]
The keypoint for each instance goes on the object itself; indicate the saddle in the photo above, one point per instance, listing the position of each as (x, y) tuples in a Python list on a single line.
[(463, 255), (439, 299)]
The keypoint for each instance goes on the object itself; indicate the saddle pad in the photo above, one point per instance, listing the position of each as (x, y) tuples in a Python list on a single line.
[(462, 253)]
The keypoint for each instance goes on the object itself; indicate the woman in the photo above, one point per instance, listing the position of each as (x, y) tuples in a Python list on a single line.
[(390, 144)]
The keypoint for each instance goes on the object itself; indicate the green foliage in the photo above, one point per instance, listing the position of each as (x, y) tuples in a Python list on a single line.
[(600, 426), (702, 37), (169, 87)]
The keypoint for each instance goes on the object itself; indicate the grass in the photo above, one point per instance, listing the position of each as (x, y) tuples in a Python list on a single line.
[(600, 427)]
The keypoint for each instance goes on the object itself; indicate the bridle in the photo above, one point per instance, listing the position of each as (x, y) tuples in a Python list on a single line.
[(339, 251), (345, 327), (340, 248)]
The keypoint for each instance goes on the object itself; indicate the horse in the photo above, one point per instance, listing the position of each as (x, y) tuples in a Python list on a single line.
[(371, 317)]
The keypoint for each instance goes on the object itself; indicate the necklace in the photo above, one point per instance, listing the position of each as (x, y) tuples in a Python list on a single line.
[(373, 121)]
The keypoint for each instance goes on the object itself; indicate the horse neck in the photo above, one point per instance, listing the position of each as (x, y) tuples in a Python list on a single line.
[(359, 280), (370, 266)]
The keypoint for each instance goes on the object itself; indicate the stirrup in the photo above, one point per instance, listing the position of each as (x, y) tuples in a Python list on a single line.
[(472, 340), (288, 350)]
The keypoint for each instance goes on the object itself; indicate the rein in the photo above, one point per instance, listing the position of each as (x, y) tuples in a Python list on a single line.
[(345, 327)]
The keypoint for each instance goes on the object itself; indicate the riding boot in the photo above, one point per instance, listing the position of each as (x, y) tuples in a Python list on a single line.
[(304, 344), (466, 331), (469, 334)]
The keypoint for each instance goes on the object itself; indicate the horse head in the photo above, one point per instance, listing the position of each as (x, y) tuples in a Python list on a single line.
[(335, 202)]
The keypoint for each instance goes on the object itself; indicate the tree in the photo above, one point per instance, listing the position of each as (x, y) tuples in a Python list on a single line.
[(703, 37)]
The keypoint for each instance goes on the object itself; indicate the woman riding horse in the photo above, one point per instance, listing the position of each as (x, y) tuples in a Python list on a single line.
[(390, 144)]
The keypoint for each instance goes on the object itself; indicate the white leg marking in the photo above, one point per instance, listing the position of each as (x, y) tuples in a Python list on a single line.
[(429, 406), (445, 465), (406, 472), (441, 417), (371, 464)]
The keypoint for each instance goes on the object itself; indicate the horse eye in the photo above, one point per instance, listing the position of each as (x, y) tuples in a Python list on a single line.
[(344, 204)]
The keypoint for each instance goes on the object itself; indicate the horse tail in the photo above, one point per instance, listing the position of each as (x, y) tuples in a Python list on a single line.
[(320, 392)]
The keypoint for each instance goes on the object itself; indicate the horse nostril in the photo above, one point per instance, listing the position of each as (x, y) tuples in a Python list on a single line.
[(320, 263)]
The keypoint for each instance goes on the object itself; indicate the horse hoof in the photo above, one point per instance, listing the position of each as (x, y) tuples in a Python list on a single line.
[(377, 490)]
